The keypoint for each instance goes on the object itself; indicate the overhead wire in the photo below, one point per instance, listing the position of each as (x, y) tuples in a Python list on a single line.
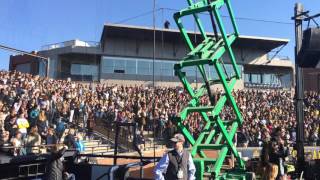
[(137, 16), (224, 16), (242, 18)]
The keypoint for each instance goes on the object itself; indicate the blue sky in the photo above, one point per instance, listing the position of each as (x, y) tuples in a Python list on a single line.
[(30, 24)]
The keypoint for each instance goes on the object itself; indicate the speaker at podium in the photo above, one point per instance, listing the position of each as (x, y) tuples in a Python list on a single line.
[(309, 54)]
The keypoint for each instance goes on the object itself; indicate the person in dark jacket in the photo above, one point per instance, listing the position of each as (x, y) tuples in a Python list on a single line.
[(33, 115), (69, 140), (273, 153), (278, 153), (60, 129), (90, 124), (51, 138), (169, 131), (10, 125), (55, 166)]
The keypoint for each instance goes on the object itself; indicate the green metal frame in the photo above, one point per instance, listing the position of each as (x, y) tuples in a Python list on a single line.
[(217, 134)]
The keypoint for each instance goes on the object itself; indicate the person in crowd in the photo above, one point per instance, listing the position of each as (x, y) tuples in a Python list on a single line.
[(22, 124), (277, 154), (140, 141), (51, 138), (90, 124), (168, 133), (263, 110), (142, 117), (4, 138), (3, 115), (55, 167), (17, 143), (270, 172), (33, 114), (79, 143), (60, 128), (33, 141), (10, 124), (42, 124), (69, 139)]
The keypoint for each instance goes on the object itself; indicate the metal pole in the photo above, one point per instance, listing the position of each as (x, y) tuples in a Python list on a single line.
[(154, 54), (154, 40), (7, 48), (116, 141), (299, 88), (47, 67), (139, 150)]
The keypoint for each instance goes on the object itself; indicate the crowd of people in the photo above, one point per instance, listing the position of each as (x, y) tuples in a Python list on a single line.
[(36, 110)]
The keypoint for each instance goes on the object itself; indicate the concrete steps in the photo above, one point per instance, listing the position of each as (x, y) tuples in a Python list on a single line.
[(98, 150), (92, 143)]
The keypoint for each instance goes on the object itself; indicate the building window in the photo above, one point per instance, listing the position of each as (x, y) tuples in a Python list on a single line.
[(83, 69), (157, 68), (119, 65), (167, 69), (256, 78), (191, 71), (161, 67), (144, 68), (107, 65), (247, 78), (24, 68), (285, 80), (131, 67), (269, 80), (42, 68), (266, 79)]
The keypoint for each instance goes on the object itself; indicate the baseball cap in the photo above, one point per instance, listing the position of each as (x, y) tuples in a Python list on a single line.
[(178, 138)]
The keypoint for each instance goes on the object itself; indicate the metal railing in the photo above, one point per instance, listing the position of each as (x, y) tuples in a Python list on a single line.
[(75, 43), (262, 86), (125, 136), (41, 149)]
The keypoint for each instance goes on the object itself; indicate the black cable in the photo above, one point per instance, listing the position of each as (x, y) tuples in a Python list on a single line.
[(137, 16), (224, 16), (243, 18)]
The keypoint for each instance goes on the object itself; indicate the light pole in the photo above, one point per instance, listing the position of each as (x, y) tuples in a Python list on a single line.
[(298, 18), (153, 59)]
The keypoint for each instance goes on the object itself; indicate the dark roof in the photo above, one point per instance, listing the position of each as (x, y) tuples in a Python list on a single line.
[(173, 35)]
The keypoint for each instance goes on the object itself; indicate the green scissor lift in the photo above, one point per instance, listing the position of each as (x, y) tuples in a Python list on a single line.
[(217, 133)]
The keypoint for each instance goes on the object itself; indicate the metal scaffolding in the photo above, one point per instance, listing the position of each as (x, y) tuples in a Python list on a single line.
[(217, 134)]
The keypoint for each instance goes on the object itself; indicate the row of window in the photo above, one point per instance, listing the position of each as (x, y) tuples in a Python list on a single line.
[(282, 80), (145, 67), (84, 69), (132, 66)]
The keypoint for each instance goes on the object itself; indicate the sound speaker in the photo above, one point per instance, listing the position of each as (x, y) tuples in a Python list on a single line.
[(309, 54)]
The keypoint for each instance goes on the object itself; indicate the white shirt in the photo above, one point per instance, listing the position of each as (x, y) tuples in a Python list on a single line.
[(162, 166)]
